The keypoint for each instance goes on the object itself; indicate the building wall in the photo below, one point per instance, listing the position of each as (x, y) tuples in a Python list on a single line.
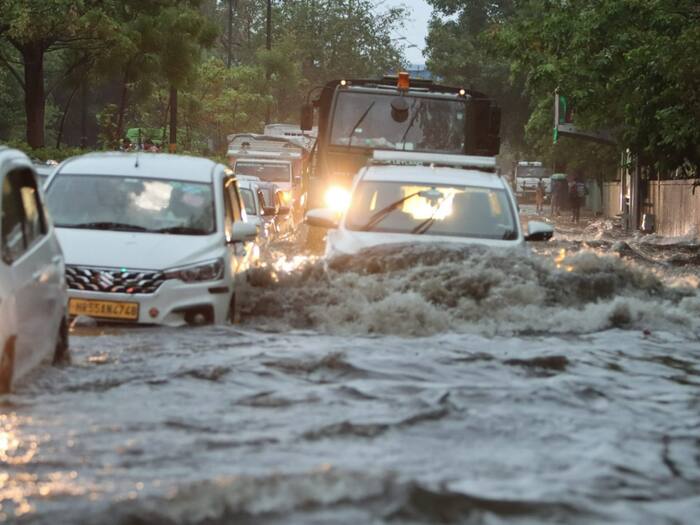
[(611, 199), (677, 210)]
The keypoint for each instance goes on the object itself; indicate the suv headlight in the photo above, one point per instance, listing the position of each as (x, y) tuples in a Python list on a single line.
[(207, 271)]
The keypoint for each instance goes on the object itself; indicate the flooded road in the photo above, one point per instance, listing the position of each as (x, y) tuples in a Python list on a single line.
[(410, 385)]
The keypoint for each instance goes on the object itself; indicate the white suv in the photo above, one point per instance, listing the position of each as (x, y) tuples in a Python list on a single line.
[(33, 318), (406, 197), (151, 238)]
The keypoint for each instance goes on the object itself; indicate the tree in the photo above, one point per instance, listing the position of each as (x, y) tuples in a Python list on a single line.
[(631, 67), (37, 27)]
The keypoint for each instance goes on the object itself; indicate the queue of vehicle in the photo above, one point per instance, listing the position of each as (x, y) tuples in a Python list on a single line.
[(151, 238)]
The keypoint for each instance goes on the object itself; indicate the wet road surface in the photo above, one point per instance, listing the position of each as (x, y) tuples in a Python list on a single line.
[(407, 386)]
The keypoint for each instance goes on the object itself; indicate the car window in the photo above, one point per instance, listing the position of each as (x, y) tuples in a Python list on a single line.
[(248, 201), (136, 204), (269, 172), (461, 211), (23, 220), (232, 190)]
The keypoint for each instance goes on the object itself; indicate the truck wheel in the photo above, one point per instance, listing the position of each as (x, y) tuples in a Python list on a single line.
[(7, 366), (61, 355)]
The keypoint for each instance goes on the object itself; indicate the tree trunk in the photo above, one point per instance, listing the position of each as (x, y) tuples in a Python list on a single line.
[(63, 116), (34, 98), (173, 119), (122, 108), (83, 114)]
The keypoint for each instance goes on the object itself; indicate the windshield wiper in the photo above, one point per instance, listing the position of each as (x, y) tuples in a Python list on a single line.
[(360, 121), (181, 230), (105, 225), (381, 214)]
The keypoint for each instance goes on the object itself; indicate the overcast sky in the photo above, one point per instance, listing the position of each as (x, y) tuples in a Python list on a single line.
[(416, 27)]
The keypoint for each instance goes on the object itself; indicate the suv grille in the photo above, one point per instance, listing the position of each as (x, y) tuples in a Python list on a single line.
[(113, 281)]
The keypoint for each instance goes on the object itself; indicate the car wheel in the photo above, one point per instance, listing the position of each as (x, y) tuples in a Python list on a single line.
[(7, 366), (234, 312), (61, 355)]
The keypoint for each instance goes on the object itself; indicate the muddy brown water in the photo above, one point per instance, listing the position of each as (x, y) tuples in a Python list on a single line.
[(409, 385)]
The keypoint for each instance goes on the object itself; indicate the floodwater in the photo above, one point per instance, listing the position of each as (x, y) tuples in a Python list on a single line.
[(410, 385)]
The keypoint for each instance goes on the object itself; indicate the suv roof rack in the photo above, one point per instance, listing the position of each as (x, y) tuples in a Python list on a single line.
[(433, 159)]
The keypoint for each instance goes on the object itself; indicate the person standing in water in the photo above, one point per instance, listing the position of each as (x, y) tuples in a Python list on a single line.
[(539, 196)]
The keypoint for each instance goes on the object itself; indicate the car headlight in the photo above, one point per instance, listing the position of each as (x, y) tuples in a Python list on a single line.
[(208, 271), (337, 199)]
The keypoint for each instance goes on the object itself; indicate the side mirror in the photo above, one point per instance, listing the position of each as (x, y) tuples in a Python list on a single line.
[(322, 218), (269, 211), (539, 231), (244, 232), (283, 210), (307, 117)]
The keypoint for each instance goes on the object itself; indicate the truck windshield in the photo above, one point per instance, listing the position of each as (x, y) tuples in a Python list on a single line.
[(267, 171), (367, 120), (534, 172)]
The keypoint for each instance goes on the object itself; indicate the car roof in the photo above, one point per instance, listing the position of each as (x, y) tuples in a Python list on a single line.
[(437, 175), (14, 156), (140, 164)]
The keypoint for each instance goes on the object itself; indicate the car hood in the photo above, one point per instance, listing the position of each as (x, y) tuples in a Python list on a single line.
[(142, 251), (350, 242)]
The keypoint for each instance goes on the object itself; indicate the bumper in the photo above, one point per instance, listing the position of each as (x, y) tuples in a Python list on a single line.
[(174, 304)]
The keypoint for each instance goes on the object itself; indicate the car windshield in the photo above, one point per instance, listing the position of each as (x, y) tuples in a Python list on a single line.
[(270, 172), (459, 211), (131, 204), (535, 172), (248, 201), (371, 121)]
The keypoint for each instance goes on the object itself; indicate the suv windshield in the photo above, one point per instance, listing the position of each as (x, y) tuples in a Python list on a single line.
[(269, 172), (460, 211), (368, 120), (131, 204)]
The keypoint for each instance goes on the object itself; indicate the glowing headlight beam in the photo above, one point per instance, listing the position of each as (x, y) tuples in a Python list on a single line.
[(337, 199)]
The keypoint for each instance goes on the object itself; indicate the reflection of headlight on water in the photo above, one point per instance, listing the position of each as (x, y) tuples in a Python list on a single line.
[(337, 199)]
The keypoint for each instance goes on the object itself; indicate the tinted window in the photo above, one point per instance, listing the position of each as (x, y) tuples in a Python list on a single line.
[(368, 120), (23, 221), (248, 201), (268, 172)]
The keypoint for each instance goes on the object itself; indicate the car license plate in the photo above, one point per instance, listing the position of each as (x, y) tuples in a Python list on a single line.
[(104, 309)]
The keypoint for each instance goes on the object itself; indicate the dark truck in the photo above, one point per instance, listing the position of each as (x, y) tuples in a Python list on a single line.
[(356, 117)]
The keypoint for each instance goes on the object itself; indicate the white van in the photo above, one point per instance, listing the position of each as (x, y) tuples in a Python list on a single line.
[(33, 317), (151, 238)]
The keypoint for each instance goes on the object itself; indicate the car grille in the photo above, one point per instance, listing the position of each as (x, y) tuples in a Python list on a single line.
[(113, 281)]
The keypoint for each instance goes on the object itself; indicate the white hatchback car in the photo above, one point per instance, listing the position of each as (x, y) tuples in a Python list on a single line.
[(150, 238), (404, 197), (33, 317)]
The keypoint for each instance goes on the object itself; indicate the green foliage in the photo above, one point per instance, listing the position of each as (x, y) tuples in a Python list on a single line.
[(629, 66), (126, 54)]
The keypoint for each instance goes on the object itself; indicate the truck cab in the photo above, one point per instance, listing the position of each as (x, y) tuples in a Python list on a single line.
[(357, 117)]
